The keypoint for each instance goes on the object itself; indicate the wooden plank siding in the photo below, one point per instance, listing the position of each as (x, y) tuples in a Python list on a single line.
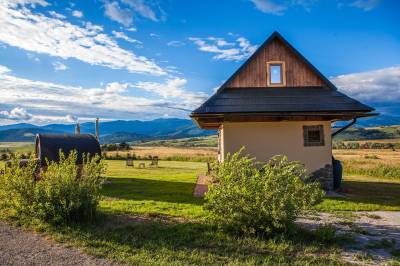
[(254, 74)]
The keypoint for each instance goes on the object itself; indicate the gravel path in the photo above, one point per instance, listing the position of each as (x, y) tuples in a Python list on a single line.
[(20, 247), (376, 235)]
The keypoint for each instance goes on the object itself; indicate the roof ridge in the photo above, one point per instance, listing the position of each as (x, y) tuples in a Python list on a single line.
[(277, 35)]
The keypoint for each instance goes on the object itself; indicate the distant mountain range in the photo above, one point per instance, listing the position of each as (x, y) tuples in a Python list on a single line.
[(134, 130), (111, 132)]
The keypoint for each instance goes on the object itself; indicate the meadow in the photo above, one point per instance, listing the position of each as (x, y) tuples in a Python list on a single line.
[(150, 216)]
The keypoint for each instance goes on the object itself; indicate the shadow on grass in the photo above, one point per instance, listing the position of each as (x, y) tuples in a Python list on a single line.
[(150, 189), (373, 192), (136, 241)]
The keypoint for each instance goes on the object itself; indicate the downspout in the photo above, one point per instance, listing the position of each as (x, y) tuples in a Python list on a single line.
[(337, 168), (345, 127)]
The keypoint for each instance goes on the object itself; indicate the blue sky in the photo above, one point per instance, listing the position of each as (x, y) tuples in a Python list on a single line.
[(133, 59)]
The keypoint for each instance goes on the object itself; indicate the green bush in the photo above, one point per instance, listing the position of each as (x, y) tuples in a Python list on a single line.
[(64, 193), (265, 199)]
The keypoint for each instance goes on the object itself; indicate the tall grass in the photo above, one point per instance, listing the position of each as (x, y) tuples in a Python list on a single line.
[(353, 167)]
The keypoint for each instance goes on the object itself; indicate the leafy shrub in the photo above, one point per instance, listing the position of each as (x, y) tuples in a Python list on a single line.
[(64, 193), (17, 188), (250, 199)]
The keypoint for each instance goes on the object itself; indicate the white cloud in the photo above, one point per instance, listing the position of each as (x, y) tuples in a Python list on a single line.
[(118, 14), (140, 7), (376, 86), (77, 13), (278, 8), (173, 88), (231, 51), (270, 7), (21, 28), (116, 87), (17, 114), (71, 118), (59, 66), (51, 102), (33, 57), (176, 43), (121, 35), (4, 70), (366, 5), (155, 35), (132, 29), (56, 15)]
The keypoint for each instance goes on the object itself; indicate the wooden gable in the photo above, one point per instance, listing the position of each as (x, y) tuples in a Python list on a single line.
[(299, 72)]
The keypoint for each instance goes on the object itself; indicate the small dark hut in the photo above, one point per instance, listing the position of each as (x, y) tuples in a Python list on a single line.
[(47, 146)]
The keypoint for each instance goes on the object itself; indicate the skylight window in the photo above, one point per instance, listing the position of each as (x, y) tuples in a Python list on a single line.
[(276, 73)]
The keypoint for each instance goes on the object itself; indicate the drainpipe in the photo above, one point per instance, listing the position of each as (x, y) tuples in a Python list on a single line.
[(337, 168), (345, 127)]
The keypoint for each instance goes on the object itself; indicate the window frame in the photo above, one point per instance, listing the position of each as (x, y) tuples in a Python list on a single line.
[(307, 129), (283, 73)]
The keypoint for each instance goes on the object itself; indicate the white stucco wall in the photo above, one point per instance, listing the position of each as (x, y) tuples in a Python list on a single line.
[(266, 139)]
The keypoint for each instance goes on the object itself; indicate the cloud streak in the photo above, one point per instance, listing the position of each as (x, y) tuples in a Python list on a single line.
[(366, 5), (376, 86), (116, 13), (224, 50), (115, 100), (20, 27)]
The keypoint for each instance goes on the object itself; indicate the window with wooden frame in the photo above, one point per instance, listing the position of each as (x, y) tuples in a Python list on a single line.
[(313, 135), (276, 74)]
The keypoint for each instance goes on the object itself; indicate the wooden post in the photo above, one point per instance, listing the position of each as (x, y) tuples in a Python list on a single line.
[(77, 128), (97, 129)]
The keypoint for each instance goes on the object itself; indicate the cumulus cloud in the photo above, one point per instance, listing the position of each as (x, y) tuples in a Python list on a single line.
[(4, 69), (22, 28), (143, 9), (121, 15), (77, 13), (56, 15), (376, 86), (121, 35), (173, 88), (230, 51), (58, 66), (71, 118), (123, 11), (17, 114), (270, 7), (116, 87), (53, 102), (366, 5)]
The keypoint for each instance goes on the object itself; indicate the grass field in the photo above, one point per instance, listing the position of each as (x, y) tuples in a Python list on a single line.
[(149, 216), (21, 147)]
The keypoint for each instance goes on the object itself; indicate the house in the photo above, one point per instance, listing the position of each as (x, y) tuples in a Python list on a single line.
[(279, 103)]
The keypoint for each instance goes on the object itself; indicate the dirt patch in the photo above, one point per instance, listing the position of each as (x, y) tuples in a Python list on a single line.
[(375, 235), (20, 247), (201, 186)]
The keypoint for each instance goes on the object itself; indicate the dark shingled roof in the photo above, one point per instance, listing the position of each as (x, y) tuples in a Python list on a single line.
[(279, 100), (49, 145)]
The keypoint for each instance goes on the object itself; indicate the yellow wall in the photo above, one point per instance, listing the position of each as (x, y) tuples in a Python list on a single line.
[(266, 139)]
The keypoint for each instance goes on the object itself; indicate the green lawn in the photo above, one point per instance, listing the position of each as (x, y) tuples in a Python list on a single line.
[(366, 194), (166, 190), (149, 216)]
